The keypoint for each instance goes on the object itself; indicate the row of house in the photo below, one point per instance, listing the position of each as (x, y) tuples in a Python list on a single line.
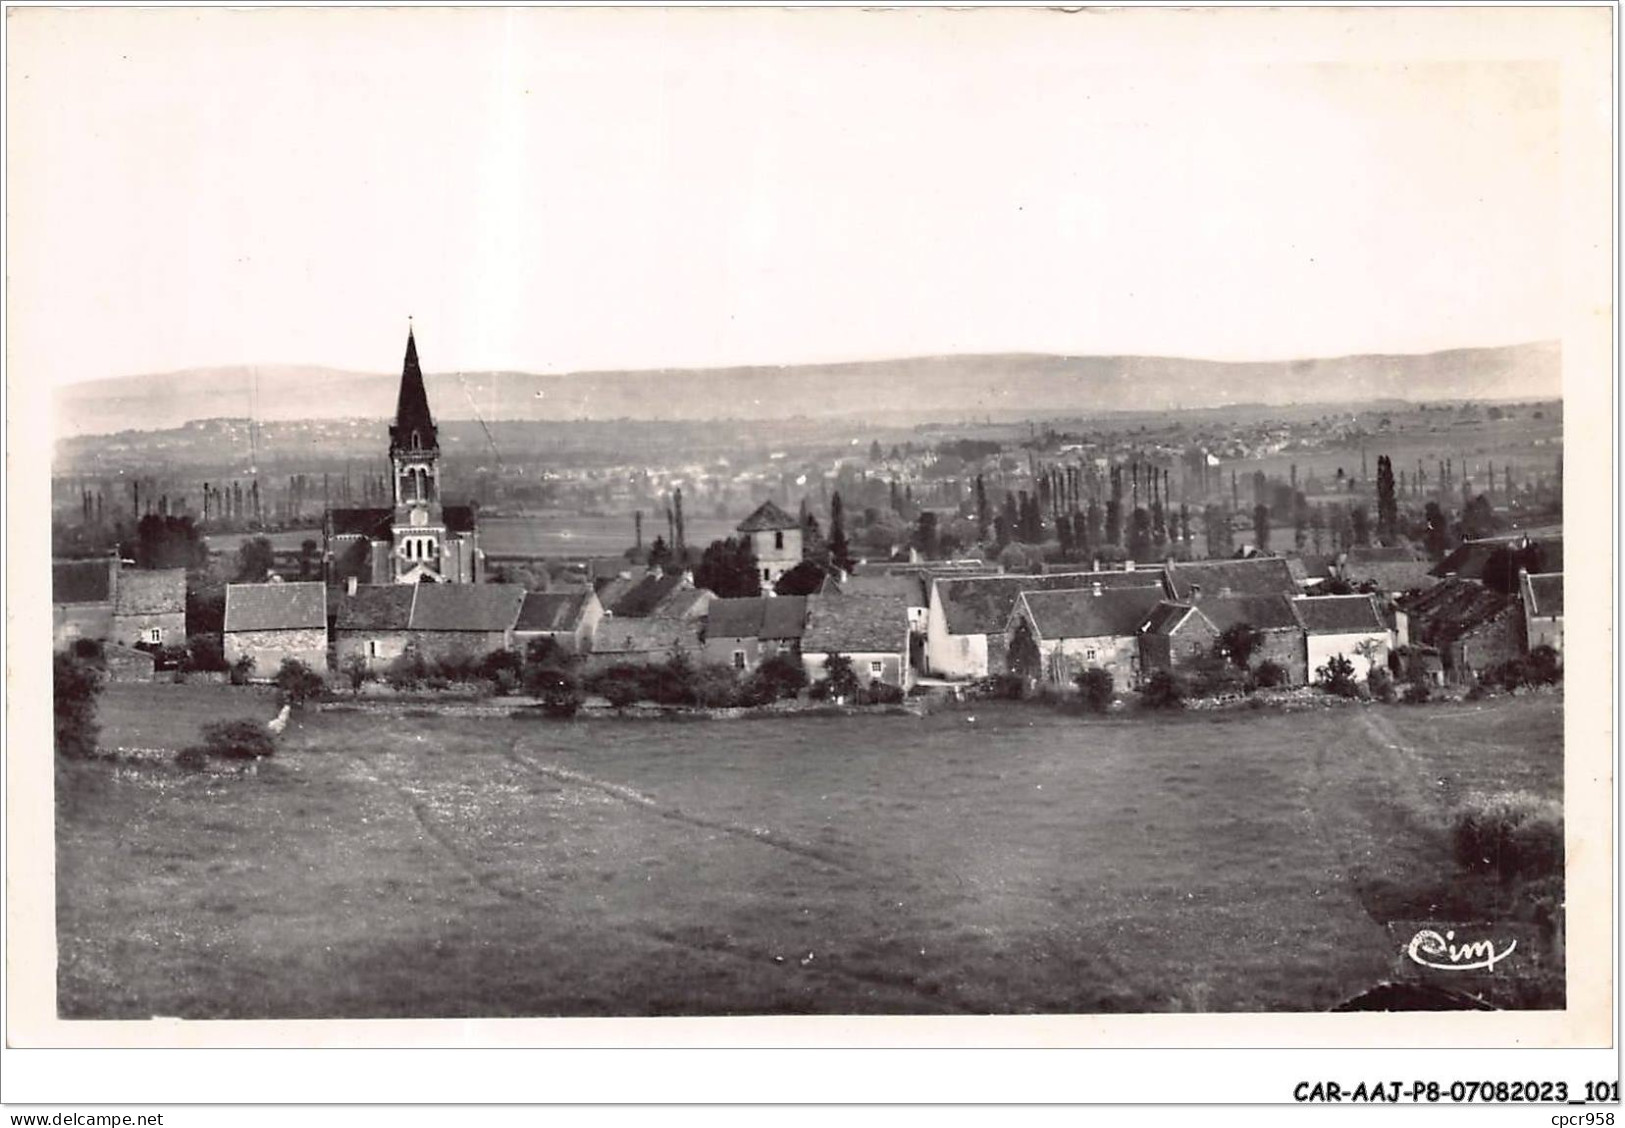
[(103, 600)]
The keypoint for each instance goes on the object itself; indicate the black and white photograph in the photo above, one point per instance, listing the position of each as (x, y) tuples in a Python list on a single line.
[(745, 513)]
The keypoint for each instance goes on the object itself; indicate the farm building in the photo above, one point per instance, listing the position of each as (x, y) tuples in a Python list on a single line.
[(1472, 626), (82, 599), (1349, 626), (1176, 633), (655, 596), (642, 642), (373, 621), (1542, 594), (1082, 628), (1390, 570), (775, 537), (968, 616), (871, 630), (465, 620), (273, 622), (742, 633), (1258, 575), (569, 618), (910, 587), (150, 607)]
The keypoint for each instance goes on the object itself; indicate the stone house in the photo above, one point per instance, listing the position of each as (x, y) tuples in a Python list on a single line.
[(643, 642), (1391, 570), (1257, 575), (968, 617), (873, 631), (82, 593), (126, 664), (1471, 625), (1176, 633), (1083, 628), (1542, 594), (655, 596), (276, 621), (373, 622), (775, 537), (461, 621), (569, 618), (744, 633), (910, 587), (149, 607), (1350, 626)]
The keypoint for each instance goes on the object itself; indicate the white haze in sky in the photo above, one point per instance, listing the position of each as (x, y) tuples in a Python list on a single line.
[(557, 190)]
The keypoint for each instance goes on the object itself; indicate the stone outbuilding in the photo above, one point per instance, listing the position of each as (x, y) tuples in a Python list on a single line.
[(274, 622), (1086, 628), (569, 618), (873, 631), (82, 594), (1542, 594), (1350, 626), (775, 537), (149, 607), (743, 633)]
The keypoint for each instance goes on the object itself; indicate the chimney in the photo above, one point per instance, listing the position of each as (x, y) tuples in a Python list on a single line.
[(1196, 592), (1098, 588), (1094, 565), (1128, 565), (350, 585)]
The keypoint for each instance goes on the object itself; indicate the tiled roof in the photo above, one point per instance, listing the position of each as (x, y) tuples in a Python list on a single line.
[(644, 636), (466, 607), (1338, 614), (1545, 589), (1390, 575), (641, 599), (768, 516), (905, 585), (1380, 554), (1263, 575), (782, 617), (276, 607), (1452, 608), (1166, 617), (374, 524), (82, 581), (376, 607), (1114, 612), (552, 611), (1261, 612), (839, 624), (160, 592), (1469, 559), (683, 603), (982, 604)]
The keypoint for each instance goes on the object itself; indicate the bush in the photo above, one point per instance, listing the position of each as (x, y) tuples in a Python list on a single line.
[(89, 651), (505, 682), (1209, 675), (1161, 691), (204, 652), (1380, 683), (880, 693), (1269, 673), (559, 691), (75, 685), (242, 670), (1545, 667), (622, 685), (243, 739), (1418, 691), (784, 674), (674, 681), (1003, 687), (498, 662), (457, 665), (299, 683), (545, 653), (714, 686), (407, 670), (1513, 834), (819, 690), (1096, 687), (1337, 677), (355, 672), (842, 678), (193, 759), (1509, 675)]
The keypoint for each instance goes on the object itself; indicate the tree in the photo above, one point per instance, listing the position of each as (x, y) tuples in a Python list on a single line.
[(1361, 525), (298, 682), (356, 673), (805, 578), (840, 553), (1337, 677), (926, 538), (1237, 644), (1544, 666), (984, 512), (1261, 527), (75, 685), (255, 557), (1387, 503), (1438, 530), (1097, 688), (780, 676), (875, 454), (728, 568), (841, 676), (243, 739), (1023, 657), (1161, 691), (1478, 519), (168, 542), (308, 550), (659, 553), (1139, 535)]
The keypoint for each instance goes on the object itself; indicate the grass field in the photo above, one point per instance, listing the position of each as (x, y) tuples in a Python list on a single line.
[(161, 715), (990, 860)]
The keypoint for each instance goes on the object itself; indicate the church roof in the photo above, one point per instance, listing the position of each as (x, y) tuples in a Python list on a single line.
[(412, 406)]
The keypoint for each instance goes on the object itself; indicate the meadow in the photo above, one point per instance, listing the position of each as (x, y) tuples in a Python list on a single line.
[(984, 860)]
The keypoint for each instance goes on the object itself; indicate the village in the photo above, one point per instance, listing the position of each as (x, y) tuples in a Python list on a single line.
[(403, 596)]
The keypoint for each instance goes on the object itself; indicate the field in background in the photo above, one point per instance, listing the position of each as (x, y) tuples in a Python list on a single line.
[(988, 860)]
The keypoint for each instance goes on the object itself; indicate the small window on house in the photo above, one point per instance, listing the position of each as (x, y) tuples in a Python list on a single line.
[(1089, 654), (877, 668), (739, 659), (372, 648), (156, 634), (778, 538), (767, 573)]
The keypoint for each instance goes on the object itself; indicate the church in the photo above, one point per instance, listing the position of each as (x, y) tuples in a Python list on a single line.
[(418, 539)]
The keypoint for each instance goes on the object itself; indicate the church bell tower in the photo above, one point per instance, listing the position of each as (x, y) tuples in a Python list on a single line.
[(414, 453)]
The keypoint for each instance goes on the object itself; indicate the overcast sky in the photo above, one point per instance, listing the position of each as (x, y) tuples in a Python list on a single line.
[(555, 190)]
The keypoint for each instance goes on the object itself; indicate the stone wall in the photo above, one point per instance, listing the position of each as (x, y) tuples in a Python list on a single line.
[(131, 629), (70, 621), (389, 646), (270, 648)]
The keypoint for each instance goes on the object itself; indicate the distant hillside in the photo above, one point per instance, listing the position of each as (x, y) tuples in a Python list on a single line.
[(936, 387)]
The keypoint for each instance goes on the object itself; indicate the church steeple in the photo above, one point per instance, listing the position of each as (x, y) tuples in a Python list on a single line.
[(414, 427)]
